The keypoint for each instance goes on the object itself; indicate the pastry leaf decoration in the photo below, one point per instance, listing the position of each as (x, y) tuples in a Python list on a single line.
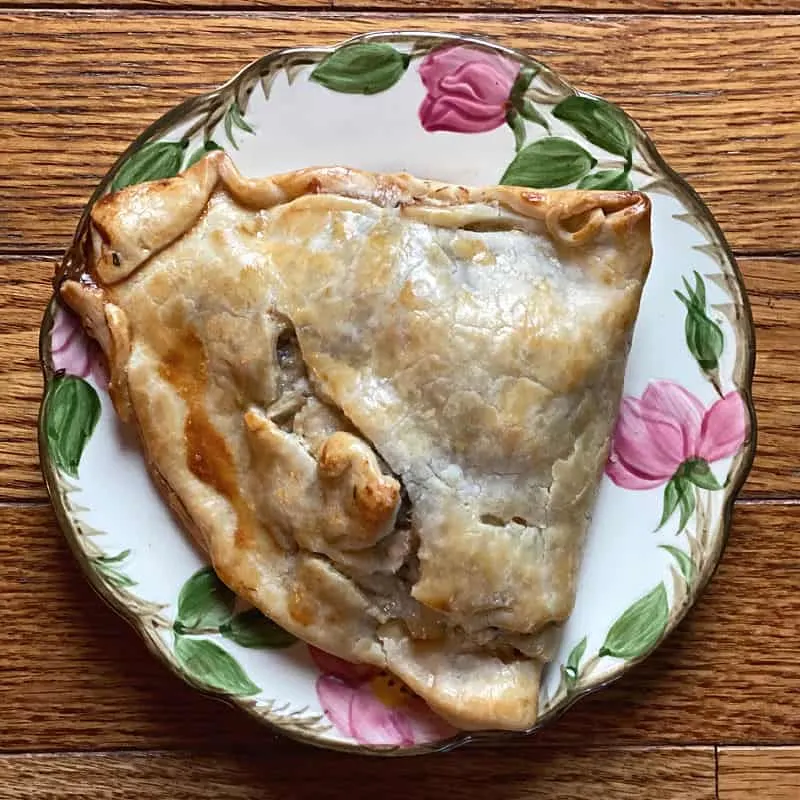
[(208, 664), (703, 336), (552, 161), (204, 602), (252, 629), (684, 562), (366, 68), (72, 409), (601, 123), (639, 628), (612, 179), (152, 162)]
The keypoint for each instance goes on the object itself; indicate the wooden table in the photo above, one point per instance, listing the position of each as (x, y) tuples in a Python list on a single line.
[(86, 712)]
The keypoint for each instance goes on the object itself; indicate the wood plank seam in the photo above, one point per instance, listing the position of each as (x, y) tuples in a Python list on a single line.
[(562, 775), (392, 7), (287, 743), (748, 771), (389, 11)]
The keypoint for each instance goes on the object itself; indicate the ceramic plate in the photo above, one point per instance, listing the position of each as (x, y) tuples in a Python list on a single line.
[(472, 112)]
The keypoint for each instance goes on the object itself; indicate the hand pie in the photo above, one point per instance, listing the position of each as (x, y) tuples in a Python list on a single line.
[(382, 405)]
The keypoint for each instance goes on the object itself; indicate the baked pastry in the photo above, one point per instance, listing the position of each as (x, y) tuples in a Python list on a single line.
[(382, 405)]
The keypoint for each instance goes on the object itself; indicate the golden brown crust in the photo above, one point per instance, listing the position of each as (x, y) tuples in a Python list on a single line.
[(381, 404), (130, 226)]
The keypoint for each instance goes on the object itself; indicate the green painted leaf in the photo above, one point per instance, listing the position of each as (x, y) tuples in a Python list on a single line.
[(252, 629), (601, 123), (150, 163), (519, 103), (574, 661), (204, 602), (704, 337), (685, 563), (699, 473), (211, 666), (72, 409), (207, 147), (119, 557), (678, 493), (528, 110), (612, 179), (108, 567), (687, 505), (366, 68), (238, 119), (699, 290), (521, 85), (234, 118), (705, 340), (112, 575), (551, 161), (228, 124), (690, 298), (640, 627), (517, 125)]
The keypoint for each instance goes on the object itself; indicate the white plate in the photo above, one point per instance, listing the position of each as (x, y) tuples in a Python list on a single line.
[(471, 112)]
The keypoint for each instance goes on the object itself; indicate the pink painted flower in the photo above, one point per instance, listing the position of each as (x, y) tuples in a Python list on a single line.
[(73, 351), (467, 89), (669, 427), (372, 706)]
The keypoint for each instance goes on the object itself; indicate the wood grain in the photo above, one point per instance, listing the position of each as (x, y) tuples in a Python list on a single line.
[(581, 6), (721, 101), (24, 292), (776, 387), (76, 677), (755, 772), (25, 289), (537, 774), (494, 6), (88, 712)]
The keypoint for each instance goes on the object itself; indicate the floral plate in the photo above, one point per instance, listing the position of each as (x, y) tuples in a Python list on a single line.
[(472, 112)]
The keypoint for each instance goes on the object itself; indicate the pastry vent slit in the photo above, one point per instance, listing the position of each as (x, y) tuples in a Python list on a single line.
[(499, 522), (492, 226), (293, 388)]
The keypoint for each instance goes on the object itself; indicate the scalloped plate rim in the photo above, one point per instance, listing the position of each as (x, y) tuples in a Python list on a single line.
[(739, 471)]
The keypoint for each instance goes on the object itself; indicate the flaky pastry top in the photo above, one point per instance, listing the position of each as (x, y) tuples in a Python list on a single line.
[(381, 404)]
